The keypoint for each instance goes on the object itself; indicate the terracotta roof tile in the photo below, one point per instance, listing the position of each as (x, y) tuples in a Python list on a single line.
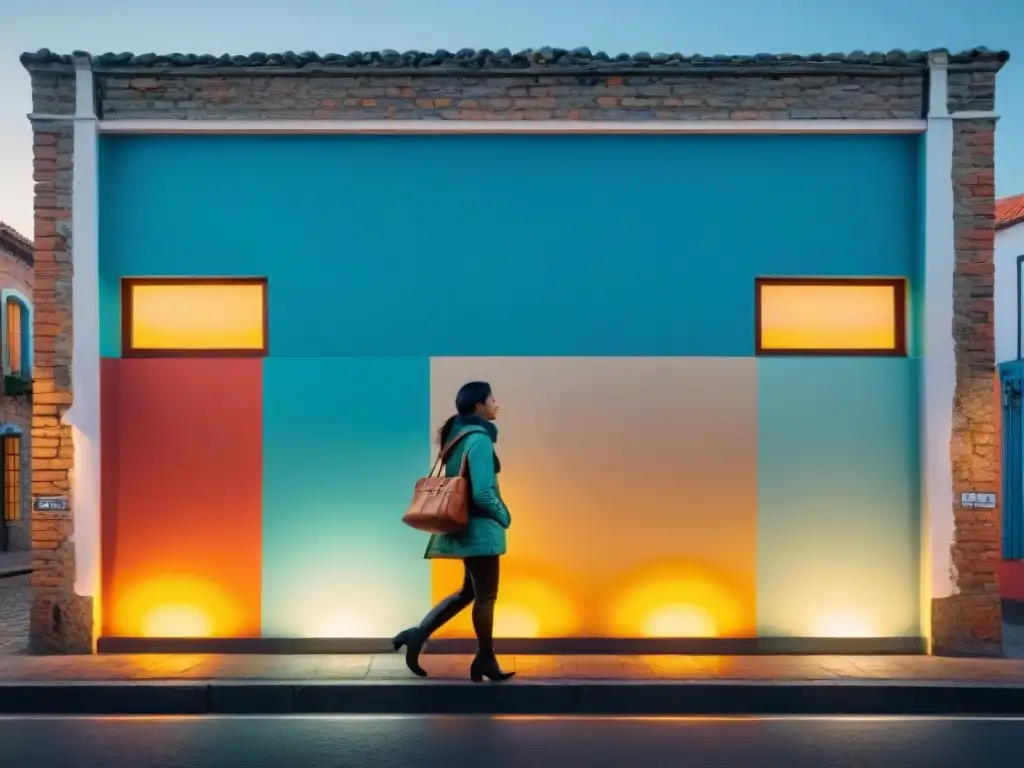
[(1009, 211), (17, 243)]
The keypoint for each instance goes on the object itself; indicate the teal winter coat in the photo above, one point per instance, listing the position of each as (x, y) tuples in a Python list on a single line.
[(488, 515)]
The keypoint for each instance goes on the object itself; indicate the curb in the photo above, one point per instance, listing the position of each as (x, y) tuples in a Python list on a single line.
[(517, 698), (10, 572)]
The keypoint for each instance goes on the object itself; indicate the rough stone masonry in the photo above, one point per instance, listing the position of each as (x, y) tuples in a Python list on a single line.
[(545, 84)]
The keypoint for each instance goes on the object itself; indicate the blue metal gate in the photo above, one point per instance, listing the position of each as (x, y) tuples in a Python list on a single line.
[(1011, 376)]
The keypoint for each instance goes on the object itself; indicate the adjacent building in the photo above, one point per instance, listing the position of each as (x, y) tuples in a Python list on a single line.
[(16, 276), (737, 311), (1009, 321)]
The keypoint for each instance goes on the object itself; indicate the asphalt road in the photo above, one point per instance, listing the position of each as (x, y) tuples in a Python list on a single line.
[(439, 742)]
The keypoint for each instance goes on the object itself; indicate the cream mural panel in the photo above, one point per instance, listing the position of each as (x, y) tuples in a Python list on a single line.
[(632, 484)]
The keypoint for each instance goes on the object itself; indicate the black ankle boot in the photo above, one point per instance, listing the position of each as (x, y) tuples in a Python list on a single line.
[(486, 665), (413, 639)]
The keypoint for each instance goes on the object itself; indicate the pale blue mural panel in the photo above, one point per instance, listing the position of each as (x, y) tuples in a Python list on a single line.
[(838, 511), (344, 441), (555, 245)]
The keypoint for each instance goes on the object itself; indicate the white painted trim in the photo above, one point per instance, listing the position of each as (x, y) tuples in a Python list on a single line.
[(84, 415), (938, 364), (975, 115), (938, 86), (433, 126), (46, 117)]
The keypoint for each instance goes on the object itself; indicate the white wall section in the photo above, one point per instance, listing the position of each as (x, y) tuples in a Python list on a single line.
[(84, 415), (938, 365)]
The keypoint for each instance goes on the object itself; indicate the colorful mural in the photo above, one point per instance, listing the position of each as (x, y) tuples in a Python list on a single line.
[(665, 481)]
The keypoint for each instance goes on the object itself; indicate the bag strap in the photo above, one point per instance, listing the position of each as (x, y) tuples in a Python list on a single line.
[(446, 451)]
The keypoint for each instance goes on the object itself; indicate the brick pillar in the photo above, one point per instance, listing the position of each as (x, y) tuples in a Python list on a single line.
[(61, 621), (970, 621)]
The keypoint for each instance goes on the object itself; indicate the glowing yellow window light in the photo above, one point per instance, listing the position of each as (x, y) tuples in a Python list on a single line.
[(195, 316), (831, 316)]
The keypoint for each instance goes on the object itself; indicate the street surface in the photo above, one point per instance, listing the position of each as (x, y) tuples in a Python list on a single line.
[(399, 742)]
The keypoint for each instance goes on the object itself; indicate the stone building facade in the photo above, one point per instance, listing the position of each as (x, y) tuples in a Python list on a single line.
[(16, 278), (948, 97)]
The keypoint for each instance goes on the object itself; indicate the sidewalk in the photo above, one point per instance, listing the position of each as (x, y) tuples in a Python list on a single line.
[(15, 563), (544, 685)]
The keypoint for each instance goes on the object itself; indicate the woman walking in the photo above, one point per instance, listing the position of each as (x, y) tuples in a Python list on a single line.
[(480, 544)]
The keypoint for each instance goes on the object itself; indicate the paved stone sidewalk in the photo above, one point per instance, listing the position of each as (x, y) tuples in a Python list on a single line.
[(184, 684), (15, 601), (545, 685), (390, 667)]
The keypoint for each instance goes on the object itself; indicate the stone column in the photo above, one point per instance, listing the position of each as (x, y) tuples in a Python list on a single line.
[(61, 620), (968, 620)]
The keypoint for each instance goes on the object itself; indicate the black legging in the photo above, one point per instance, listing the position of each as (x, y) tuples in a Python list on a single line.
[(480, 587)]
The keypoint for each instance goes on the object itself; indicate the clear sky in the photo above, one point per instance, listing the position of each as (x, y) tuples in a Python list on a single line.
[(339, 26)]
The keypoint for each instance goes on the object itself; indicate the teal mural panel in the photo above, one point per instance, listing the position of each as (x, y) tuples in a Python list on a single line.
[(344, 440), (398, 246), (838, 489)]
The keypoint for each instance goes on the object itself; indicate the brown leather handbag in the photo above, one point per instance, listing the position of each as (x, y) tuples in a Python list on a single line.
[(441, 504)]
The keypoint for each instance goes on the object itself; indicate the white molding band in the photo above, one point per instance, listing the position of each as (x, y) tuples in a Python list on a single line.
[(435, 126), (84, 414), (938, 364), (45, 117), (974, 115)]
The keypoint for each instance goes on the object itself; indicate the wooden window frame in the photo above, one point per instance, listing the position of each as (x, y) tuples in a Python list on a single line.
[(127, 347), (17, 334), (16, 494), (24, 333), (899, 285)]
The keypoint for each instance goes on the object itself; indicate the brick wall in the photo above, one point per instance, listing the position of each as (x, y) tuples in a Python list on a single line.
[(544, 85), (972, 91), (61, 621), (539, 97), (970, 622), (15, 267)]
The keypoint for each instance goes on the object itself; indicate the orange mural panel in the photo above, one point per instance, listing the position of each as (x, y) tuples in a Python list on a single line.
[(632, 484), (182, 488)]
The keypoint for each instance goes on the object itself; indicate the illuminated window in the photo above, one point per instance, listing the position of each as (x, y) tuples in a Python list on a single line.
[(17, 334), (12, 478), (816, 316), (194, 317)]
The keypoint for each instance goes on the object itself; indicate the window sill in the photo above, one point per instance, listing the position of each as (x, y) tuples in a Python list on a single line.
[(16, 385)]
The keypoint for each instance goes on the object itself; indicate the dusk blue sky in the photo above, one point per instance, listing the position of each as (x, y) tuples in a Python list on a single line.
[(329, 26)]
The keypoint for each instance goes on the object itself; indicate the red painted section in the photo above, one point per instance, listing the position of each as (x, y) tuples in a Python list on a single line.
[(1011, 572), (1011, 579), (182, 496)]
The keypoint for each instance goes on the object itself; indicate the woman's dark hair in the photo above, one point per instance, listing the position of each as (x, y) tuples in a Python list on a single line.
[(468, 398)]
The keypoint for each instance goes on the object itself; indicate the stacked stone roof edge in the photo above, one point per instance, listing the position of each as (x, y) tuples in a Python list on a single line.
[(505, 60), (17, 243)]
